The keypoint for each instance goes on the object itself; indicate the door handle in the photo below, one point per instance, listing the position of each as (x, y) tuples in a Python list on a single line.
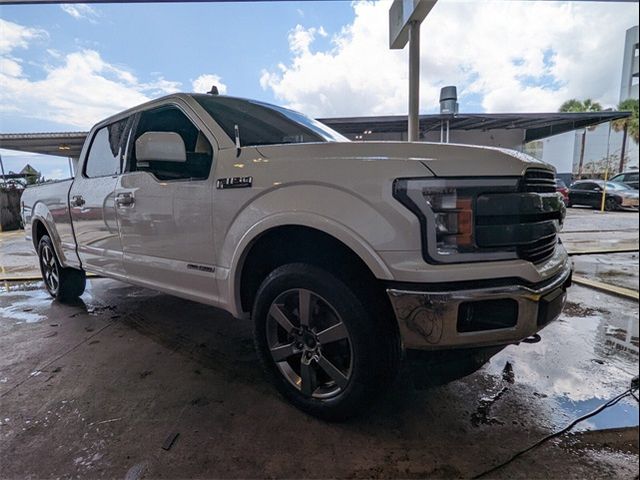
[(125, 199), (77, 201)]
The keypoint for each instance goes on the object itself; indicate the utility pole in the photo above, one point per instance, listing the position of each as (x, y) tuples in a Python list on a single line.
[(413, 134), (405, 17)]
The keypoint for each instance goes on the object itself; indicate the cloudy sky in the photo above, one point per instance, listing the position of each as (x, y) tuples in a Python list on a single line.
[(64, 67)]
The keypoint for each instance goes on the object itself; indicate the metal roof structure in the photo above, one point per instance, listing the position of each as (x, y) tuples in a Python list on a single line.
[(535, 125), (62, 144)]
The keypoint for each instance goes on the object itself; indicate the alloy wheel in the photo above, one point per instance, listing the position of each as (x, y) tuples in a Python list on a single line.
[(309, 343), (49, 269)]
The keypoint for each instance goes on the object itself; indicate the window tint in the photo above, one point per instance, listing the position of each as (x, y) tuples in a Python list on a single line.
[(631, 177), (105, 152), (199, 151)]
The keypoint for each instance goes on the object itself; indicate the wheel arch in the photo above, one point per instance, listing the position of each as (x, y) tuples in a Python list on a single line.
[(40, 226), (266, 248)]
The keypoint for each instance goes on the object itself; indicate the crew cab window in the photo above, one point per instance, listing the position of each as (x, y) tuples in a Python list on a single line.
[(198, 149), (105, 152)]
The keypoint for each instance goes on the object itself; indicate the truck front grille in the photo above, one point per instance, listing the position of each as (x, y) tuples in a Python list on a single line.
[(527, 221), (539, 180)]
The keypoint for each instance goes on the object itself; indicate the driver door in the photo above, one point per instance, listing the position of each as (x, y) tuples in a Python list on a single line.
[(164, 208)]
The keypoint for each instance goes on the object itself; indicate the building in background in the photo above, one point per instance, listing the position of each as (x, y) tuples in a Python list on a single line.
[(599, 147), (629, 82)]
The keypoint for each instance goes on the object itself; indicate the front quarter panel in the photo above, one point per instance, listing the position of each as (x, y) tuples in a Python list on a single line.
[(350, 199)]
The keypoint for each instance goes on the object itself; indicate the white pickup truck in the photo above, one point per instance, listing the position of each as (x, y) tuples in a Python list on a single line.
[(347, 256)]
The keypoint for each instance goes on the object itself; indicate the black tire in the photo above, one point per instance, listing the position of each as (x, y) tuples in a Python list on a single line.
[(373, 351), (64, 284), (611, 204)]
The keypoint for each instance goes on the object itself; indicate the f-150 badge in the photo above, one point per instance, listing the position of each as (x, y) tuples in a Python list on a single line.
[(234, 182)]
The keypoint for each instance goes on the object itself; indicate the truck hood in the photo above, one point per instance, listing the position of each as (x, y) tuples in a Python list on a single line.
[(444, 160)]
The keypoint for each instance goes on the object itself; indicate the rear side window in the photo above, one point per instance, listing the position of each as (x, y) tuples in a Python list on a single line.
[(105, 153)]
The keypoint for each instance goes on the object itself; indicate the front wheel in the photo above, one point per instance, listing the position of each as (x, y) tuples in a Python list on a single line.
[(64, 284), (321, 344), (610, 204)]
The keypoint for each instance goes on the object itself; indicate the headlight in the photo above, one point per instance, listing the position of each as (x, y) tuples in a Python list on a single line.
[(445, 208)]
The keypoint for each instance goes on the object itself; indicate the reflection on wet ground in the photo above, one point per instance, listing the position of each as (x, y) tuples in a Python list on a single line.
[(585, 358), (166, 352)]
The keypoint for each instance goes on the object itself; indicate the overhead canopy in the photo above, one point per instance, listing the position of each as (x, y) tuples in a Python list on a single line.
[(60, 144), (535, 125)]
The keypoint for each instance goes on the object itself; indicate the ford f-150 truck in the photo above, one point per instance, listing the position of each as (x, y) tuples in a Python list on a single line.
[(348, 256)]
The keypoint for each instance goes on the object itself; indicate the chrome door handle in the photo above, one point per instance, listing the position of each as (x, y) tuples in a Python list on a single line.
[(77, 201), (125, 199)]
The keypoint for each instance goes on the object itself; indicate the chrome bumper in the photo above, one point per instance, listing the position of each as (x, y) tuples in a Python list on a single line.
[(429, 320)]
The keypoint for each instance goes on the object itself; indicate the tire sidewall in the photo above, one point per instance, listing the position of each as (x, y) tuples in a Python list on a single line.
[(359, 326)]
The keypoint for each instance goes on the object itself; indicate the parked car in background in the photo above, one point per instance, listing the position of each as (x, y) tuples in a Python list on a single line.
[(628, 178), (563, 190), (589, 192)]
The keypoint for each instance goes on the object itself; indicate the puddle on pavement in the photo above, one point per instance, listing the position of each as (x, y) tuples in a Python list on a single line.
[(28, 302), (590, 355), (24, 306), (620, 269)]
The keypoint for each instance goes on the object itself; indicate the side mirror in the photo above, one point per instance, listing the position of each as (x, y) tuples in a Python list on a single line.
[(160, 146), (598, 189)]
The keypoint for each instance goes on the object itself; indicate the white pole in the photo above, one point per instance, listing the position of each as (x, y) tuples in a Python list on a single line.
[(414, 81)]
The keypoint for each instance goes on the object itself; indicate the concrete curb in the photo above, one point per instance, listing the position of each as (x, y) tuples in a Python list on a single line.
[(607, 288), (595, 251)]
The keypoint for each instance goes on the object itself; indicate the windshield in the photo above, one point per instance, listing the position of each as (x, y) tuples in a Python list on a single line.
[(263, 124), (617, 186)]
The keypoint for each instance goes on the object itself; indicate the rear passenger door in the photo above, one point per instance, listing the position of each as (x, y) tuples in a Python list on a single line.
[(165, 208), (91, 200)]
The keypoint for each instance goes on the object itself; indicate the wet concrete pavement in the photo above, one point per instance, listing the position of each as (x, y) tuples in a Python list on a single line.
[(95, 389)]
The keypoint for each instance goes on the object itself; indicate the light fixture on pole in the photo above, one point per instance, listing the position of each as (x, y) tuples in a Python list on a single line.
[(405, 17)]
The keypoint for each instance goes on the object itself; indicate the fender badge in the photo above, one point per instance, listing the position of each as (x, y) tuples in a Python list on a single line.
[(234, 182)]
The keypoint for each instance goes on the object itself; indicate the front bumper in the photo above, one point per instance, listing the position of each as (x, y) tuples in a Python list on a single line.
[(431, 320)]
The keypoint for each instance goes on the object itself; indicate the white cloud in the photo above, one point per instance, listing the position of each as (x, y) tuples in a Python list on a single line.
[(204, 82), (57, 174), (508, 56), (79, 89), (13, 36), (81, 11)]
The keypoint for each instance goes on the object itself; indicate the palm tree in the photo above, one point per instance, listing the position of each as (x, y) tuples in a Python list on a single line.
[(628, 126), (575, 106)]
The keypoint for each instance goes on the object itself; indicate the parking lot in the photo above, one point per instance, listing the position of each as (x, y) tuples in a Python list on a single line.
[(97, 389)]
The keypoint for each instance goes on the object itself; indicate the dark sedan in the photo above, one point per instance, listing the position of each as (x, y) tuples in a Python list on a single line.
[(589, 192)]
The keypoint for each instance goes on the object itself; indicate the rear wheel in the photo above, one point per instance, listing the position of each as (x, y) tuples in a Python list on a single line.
[(64, 284), (319, 343)]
